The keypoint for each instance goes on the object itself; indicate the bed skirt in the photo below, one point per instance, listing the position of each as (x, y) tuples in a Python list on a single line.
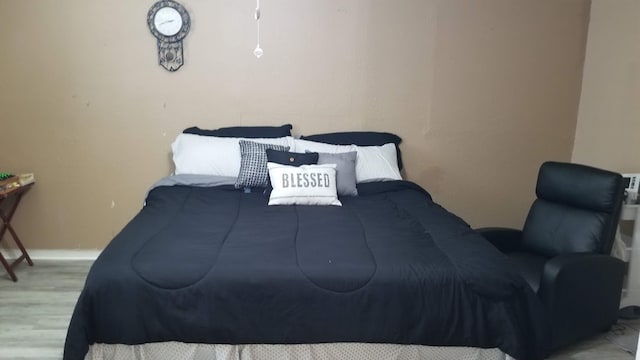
[(334, 351)]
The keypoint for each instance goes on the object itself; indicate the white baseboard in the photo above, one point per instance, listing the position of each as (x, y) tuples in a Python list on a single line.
[(57, 254)]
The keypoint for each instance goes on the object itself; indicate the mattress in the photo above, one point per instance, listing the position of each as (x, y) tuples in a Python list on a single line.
[(340, 351), (216, 265)]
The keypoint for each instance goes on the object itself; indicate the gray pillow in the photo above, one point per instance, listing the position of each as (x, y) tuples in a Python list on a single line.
[(345, 170), (253, 163)]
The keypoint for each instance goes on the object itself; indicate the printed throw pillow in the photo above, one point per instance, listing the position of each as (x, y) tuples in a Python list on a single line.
[(303, 185), (345, 171), (253, 164), (291, 158)]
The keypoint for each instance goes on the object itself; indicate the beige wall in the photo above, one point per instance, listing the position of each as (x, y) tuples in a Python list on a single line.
[(481, 91), (608, 130)]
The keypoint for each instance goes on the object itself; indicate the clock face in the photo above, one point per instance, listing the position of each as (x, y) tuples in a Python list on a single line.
[(167, 21)]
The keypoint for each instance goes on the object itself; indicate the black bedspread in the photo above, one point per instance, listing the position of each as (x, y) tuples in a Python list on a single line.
[(216, 265)]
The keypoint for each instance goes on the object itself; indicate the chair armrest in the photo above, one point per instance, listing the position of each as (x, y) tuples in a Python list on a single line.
[(505, 239), (582, 294)]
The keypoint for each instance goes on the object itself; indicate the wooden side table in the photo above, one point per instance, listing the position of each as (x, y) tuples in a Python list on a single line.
[(14, 195)]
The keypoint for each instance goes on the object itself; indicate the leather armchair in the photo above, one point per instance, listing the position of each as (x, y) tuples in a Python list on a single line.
[(563, 249)]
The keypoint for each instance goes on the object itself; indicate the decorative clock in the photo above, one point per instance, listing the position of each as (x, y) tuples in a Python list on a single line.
[(169, 22)]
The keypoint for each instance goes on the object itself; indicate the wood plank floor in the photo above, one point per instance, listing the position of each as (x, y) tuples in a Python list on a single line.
[(35, 313)]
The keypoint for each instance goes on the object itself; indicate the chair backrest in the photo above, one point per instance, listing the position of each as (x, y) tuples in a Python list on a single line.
[(577, 210)]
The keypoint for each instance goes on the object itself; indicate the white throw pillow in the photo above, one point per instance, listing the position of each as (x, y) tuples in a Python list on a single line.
[(211, 155), (377, 163), (302, 146), (303, 185)]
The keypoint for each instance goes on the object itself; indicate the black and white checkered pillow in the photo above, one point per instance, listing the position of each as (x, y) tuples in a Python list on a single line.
[(253, 163)]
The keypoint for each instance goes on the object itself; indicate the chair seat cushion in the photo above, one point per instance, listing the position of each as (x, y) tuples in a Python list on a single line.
[(530, 267)]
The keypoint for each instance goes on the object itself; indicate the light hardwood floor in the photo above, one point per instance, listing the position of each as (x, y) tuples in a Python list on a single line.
[(35, 313)]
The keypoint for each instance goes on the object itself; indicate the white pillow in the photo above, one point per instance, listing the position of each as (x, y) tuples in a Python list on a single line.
[(211, 155), (302, 146), (303, 185), (377, 163)]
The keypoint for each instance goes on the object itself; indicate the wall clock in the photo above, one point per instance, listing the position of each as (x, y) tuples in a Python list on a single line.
[(169, 22)]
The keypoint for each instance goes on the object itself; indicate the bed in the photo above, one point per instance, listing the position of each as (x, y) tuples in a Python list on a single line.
[(212, 269)]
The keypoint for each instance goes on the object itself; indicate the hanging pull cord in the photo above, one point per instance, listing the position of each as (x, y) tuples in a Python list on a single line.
[(258, 50)]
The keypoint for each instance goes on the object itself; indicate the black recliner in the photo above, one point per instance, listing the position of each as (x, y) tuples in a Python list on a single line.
[(563, 249)]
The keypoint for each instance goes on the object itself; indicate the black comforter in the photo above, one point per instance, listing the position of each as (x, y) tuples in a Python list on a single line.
[(216, 265)]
